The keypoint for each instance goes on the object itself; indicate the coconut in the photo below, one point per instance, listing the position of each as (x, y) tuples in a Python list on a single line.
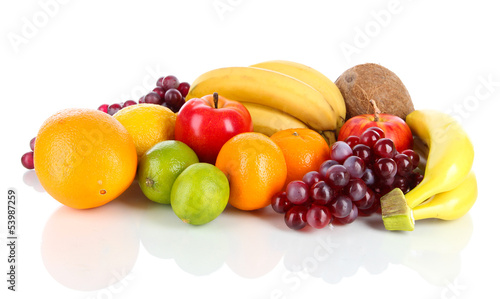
[(370, 81)]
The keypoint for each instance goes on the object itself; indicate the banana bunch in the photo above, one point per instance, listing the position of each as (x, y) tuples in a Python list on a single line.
[(279, 95), (449, 187)]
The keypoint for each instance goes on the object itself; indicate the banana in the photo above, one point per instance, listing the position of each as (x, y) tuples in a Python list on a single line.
[(450, 158), (268, 88), (449, 155), (315, 79), (452, 204), (268, 120)]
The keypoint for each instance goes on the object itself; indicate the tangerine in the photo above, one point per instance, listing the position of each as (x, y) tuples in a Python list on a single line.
[(304, 151), (255, 167), (84, 158)]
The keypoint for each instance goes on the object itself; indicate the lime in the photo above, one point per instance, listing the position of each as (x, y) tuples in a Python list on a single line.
[(160, 166), (200, 193)]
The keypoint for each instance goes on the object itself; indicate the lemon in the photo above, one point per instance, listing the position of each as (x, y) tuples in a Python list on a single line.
[(148, 124)]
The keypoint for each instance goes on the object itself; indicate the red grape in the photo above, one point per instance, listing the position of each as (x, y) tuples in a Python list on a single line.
[(384, 148), (103, 108), (340, 151), (297, 192), (355, 166), (32, 143), (351, 217), (170, 82), (337, 176), (405, 166), (295, 218), (129, 103), (367, 200), (368, 177), (311, 178), (280, 203), (363, 151), (184, 88), (174, 100), (369, 137), (112, 109), (159, 82), (318, 216), (141, 100), (352, 141), (160, 91), (325, 166), (414, 157), (356, 189), (380, 132), (402, 183), (385, 168), (321, 193), (341, 206), (27, 160), (153, 98)]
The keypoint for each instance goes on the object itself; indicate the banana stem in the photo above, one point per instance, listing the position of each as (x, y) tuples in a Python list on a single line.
[(376, 109)]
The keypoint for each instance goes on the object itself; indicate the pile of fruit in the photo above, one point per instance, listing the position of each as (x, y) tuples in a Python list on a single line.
[(276, 133)]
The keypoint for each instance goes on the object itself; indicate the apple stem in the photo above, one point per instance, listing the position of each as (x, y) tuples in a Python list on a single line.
[(376, 109), (216, 100)]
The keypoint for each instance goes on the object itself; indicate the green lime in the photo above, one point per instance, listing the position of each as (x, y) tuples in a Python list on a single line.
[(160, 166), (200, 193)]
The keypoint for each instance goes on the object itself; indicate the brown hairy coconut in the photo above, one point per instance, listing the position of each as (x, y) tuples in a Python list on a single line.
[(371, 81)]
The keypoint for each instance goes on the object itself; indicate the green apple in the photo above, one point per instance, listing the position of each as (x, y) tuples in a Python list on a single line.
[(200, 193), (161, 165)]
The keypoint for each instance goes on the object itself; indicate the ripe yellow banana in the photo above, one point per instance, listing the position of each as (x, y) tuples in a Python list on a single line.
[(268, 120), (452, 204), (268, 88), (315, 79), (449, 162), (450, 153)]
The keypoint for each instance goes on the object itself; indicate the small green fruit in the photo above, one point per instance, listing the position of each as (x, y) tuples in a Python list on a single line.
[(200, 193), (160, 166)]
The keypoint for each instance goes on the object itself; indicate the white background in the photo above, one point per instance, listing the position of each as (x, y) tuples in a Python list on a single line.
[(85, 53)]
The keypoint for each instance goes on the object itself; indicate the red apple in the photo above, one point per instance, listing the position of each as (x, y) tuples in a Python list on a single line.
[(393, 126), (206, 123)]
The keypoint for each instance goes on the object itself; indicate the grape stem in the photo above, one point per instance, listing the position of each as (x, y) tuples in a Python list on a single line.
[(216, 100), (376, 109)]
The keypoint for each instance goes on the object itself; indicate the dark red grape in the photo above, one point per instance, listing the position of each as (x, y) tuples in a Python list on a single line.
[(184, 88), (368, 177), (280, 203), (380, 132), (363, 151), (170, 82), (129, 103), (405, 166), (384, 148), (402, 183), (337, 176), (311, 178), (415, 179), (321, 193), (141, 100), (367, 200), (295, 218), (318, 216), (297, 192), (414, 157), (341, 206), (369, 137), (355, 166), (160, 91), (112, 109), (355, 189), (352, 141), (325, 166), (153, 98), (385, 168), (27, 160), (340, 151), (159, 82), (174, 100), (351, 217)]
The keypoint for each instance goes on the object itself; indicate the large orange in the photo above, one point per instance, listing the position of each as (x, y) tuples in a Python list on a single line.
[(304, 151), (255, 167), (84, 158)]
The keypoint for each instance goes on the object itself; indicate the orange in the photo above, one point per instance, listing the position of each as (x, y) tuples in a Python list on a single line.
[(304, 151), (148, 124), (84, 158), (255, 167)]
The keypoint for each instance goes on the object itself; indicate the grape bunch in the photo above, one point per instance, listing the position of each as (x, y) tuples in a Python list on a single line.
[(169, 92), (361, 170)]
